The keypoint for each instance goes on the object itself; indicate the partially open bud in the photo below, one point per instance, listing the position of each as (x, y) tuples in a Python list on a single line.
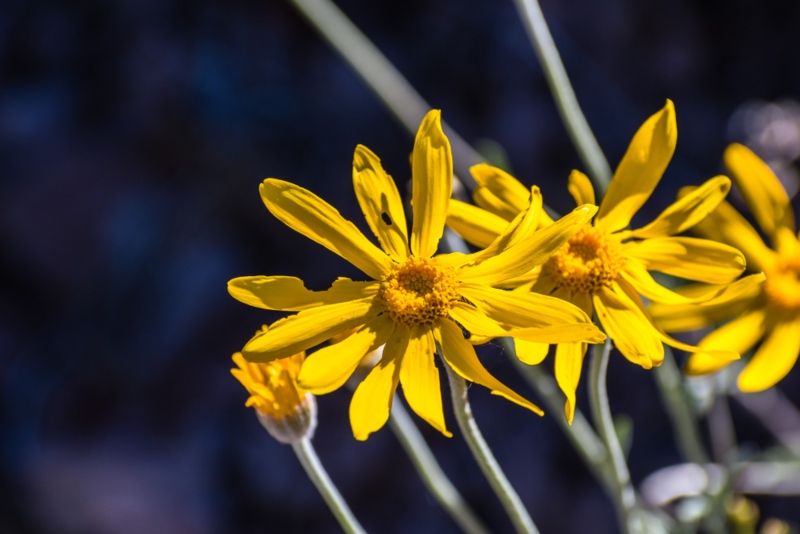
[(287, 411)]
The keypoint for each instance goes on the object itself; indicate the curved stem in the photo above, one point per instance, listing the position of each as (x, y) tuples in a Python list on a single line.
[(571, 114), (430, 472), (681, 415), (308, 458), (402, 100), (601, 411), (483, 455)]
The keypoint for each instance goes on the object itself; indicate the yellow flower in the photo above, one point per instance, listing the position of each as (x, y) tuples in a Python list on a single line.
[(287, 411), (415, 300), (768, 311), (605, 266)]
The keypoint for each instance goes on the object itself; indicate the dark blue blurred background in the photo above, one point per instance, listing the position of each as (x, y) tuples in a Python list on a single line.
[(133, 137)]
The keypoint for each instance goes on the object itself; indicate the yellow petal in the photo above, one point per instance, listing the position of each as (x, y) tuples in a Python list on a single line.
[(627, 292), (738, 336), (688, 257), (726, 225), (636, 275), (569, 361), (718, 304), (580, 187), (629, 328), (688, 210), (498, 191), (460, 355), (530, 352), (522, 310), (640, 170), (527, 253), (474, 224), (306, 213), (774, 358), (380, 201), (762, 190), (372, 401), (475, 322), (420, 379), (432, 183), (560, 333), (288, 293), (329, 368), (308, 328)]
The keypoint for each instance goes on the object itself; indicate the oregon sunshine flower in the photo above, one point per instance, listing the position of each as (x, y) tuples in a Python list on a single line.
[(769, 311), (604, 267), (286, 410), (415, 300)]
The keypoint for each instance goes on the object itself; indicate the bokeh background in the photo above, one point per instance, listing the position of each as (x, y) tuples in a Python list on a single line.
[(133, 137)]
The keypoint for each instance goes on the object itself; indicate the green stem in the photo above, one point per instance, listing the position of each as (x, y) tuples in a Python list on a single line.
[(601, 411), (402, 100), (580, 433), (308, 457), (430, 472), (483, 455), (571, 114), (678, 407)]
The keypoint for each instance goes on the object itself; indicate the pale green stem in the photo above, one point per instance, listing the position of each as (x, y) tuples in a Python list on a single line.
[(625, 495), (430, 472), (483, 455), (678, 407), (580, 433), (402, 100), (571, 114), (308, 457)]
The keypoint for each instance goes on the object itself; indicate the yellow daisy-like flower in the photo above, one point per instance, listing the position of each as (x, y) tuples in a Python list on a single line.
[(605, 266), (287, 411), (415, 300), (768, 311)]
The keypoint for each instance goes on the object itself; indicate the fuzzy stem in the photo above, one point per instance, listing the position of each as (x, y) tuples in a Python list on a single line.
[(625, 495), (310, 461), (571, 114), (483, 455), (430, 472)]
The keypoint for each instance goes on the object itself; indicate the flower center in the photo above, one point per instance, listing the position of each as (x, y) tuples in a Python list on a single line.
[(589, 261), (419, 291), (782, 287)]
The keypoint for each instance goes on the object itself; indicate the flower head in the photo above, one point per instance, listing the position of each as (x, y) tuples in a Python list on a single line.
[(605, 267), (415, 300), (768, 312), (286, 410)]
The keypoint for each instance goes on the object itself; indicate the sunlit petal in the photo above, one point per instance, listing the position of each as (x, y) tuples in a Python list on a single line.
[(432, 183), (762, 190), (738, 336), (372, 400), (420, 379), (568, 364), (530, 352), (308, 328), (774, 358), (329, 368), (460, 355), (629, 328), (288, 293), (688, 257), (580, 187), (498, 191), (640, 170), (688, 210), (381, 203), (474, 224), (306, 213)]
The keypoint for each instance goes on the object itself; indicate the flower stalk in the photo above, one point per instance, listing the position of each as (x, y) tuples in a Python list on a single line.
[(431, 473), (625, 495), (483, 455), (308, 458), (568, 107)]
